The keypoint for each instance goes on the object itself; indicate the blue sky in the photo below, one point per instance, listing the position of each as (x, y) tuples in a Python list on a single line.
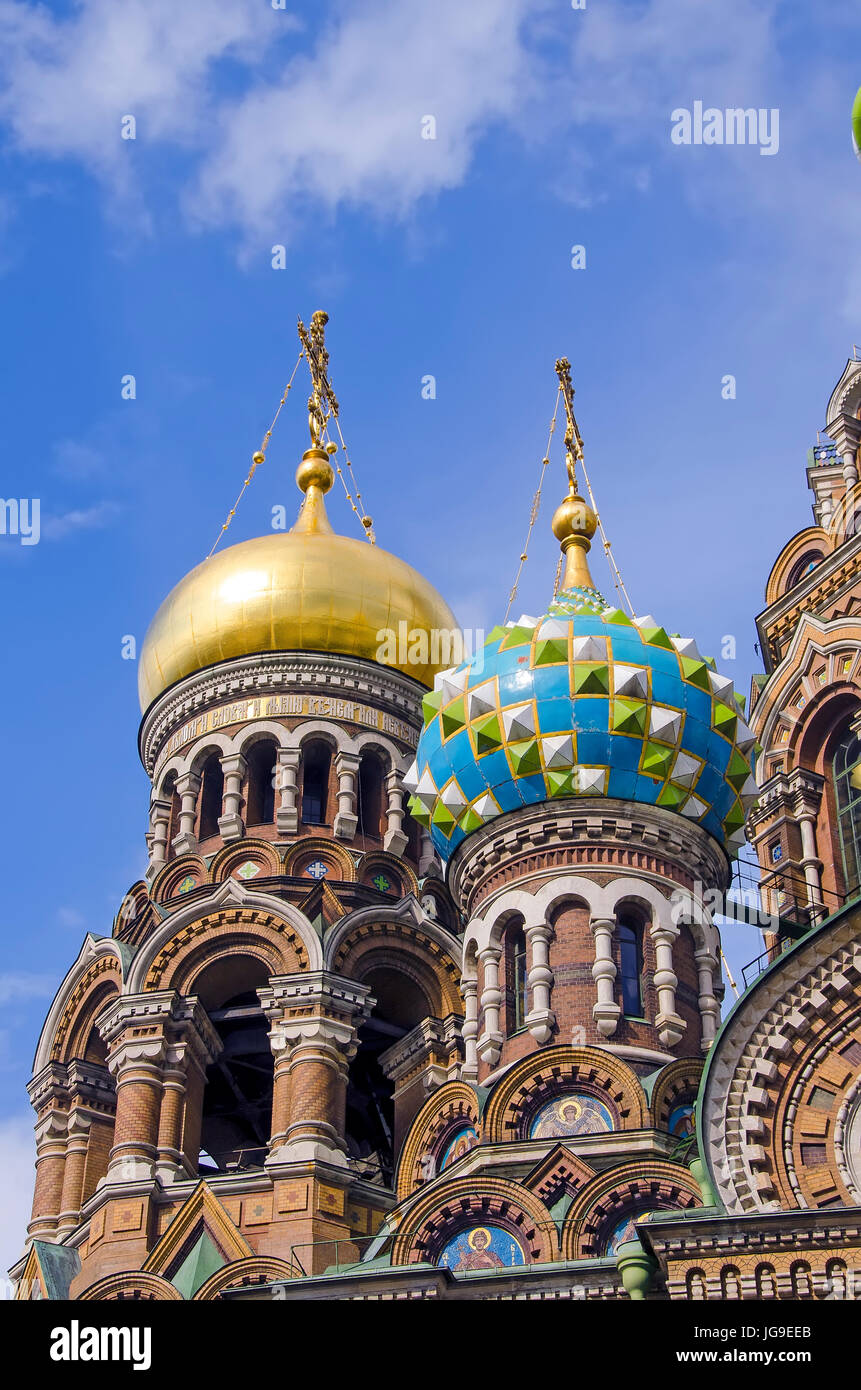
[(257, 127)]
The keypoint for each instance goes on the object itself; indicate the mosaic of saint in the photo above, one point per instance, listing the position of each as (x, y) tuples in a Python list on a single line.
[(682, 1120), (482, 1247), (459, 1144), (572, 1115)]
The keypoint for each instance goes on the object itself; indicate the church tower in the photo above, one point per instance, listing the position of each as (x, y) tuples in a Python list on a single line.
[(337, 1045), (806, 708), (250, 1041)]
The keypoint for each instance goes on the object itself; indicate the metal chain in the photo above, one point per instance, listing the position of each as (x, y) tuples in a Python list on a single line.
[(536, 504), (259, 457)]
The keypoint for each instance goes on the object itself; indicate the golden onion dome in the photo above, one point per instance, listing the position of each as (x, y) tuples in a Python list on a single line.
[(306, 590)]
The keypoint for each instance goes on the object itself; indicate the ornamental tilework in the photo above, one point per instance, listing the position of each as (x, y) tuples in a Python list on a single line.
[(582, 702)]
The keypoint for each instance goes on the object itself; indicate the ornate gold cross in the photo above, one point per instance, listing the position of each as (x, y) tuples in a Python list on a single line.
[(322, 402), (573, 438)]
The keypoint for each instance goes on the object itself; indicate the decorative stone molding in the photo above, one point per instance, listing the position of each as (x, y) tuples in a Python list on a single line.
[(395, 841), (314, 1023), (671, 1027), (764, 1066), (431, 1049), (583, 834), (541, 1019), (230, 823), (346, 820), (188, 787), (287, 812), (490, 1042), (274, 674)]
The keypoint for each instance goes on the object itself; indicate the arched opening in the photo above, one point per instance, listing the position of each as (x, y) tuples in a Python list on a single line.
[(630, 933), (260, 802), (369, 803), (695, 1285), (236, 1112), (802, 1284), (766, 1283), (846, 767), (169, 793), (316, 765), (370, 1120), (516, 973), (211, 797), (730, 1282), (802, 567)]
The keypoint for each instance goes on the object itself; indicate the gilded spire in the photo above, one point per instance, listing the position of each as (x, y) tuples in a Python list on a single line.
[(574, 521)]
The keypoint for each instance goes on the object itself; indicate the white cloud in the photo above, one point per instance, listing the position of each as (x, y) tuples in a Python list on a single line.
[(20, 985), (86, 519), (339, 122), (17, 1158), (345, 125)]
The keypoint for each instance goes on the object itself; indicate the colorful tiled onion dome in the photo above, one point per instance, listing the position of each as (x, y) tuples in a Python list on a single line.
[(583, 702)]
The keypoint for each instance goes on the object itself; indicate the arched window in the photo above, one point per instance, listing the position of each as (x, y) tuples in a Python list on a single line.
[(369, 804), (261, 783), (802, 567), (695, 1282), (316, 762), (211, 797), (170, 793), (766, 1284), (516, 977), (846, 766), (730, 1282), (802, 1285), (631, 962)]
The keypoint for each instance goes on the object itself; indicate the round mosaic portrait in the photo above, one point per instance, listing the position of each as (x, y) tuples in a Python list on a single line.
[(459, 1144), (570, 1116), (482, 1247)]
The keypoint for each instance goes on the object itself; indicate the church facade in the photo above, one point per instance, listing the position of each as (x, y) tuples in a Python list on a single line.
[(420, 994)]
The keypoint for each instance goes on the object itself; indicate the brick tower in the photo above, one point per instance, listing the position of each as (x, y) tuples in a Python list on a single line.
[(805, 709)]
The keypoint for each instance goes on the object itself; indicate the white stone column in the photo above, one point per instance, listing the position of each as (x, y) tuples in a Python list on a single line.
[(346, 820), (230, 823), (287, 783), (671, 1027), (427, 855), (850, 469), (541, 1018), (490, 1042), (708, 1002), (469, 1031), (159, 819), (188, 787), (395, 841), (605, 1011), (810, 863)]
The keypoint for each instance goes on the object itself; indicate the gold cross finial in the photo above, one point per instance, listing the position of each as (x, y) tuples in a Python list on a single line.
[(573, 438), (321, 402)]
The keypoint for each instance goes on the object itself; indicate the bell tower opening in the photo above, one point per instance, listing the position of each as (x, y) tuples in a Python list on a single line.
[(370, 1121), (237, 1099)]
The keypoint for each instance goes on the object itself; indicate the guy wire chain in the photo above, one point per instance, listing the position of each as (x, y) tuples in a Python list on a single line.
[(611, 559), (536, 504), (366, 521), (259, 457)]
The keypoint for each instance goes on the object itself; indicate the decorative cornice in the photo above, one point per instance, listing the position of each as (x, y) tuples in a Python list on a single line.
[(275, 674), (606, 834)]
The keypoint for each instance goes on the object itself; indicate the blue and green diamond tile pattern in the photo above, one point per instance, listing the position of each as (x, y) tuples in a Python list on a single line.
[(582, 702)]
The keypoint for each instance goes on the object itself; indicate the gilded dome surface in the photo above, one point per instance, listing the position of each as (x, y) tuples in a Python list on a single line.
[(306, 590), (584, 701)]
